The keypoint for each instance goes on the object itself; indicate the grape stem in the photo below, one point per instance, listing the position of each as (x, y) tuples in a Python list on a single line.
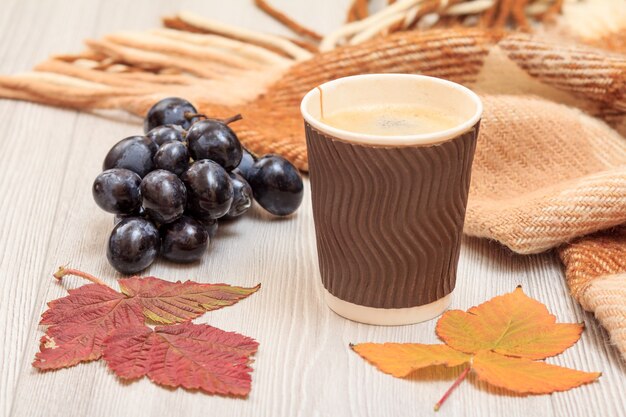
[(231, 119), (452, 387), (254, 156), (228, 120), (189, 115), (63, 271)]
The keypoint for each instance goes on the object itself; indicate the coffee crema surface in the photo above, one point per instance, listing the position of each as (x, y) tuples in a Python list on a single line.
[(391, 120)]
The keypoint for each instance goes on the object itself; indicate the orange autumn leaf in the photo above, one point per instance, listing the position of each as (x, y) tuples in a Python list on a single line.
[(527, 376), (400, 359), (499, 340), (512, 324)]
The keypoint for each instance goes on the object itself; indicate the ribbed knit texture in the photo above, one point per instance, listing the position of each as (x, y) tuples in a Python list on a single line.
[(389, 220)]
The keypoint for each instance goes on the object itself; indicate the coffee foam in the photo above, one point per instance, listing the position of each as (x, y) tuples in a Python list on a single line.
[(410, 90), (391, 119)]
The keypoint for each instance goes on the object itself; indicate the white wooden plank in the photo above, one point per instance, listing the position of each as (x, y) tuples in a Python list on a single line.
[(304, 366)]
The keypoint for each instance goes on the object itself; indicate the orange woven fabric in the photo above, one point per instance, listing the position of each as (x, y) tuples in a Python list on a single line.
[(595, 266), (594, 256)]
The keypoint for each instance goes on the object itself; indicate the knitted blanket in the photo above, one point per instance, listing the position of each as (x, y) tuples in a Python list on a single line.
[(550, 164)]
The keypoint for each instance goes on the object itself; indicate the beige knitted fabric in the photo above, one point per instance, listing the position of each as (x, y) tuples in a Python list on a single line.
[(544, 174), (548, 167)]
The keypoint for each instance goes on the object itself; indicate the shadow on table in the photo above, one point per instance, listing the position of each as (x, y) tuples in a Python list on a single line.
[(436, 373), (501, 257), (602, 343), (442, 373)]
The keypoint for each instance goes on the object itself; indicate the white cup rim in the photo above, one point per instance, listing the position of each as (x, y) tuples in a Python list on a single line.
[(397, 140)]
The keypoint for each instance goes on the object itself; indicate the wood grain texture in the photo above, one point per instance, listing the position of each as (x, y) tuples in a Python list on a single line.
[(304, 367)]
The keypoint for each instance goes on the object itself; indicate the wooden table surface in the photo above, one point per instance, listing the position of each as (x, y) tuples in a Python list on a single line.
[(304, 367)]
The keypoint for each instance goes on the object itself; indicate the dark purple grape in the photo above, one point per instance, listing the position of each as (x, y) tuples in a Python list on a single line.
[(117, 191), (242, 196), (247, 160), (141, 212), (209, 189), (209, 224), (164, 196), (133, 245), (277, 185), (214, 140), (167, 133), (134, 153), (170, 111), (184, 240), (173, 157)]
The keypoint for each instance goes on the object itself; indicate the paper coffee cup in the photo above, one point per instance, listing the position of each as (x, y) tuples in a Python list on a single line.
[(389, 210)]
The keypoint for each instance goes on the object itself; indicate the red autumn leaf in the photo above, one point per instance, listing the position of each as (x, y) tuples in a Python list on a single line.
[(81, 321), (176, 302), (192, 356)]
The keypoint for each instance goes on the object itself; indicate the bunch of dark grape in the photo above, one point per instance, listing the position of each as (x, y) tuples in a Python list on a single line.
[(168, 188)]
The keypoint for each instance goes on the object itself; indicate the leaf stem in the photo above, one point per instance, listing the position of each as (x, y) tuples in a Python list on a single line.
[(63, 271), (452, 387)]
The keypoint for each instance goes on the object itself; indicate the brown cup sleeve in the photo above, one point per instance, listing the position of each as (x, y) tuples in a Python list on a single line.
[(389, 220)]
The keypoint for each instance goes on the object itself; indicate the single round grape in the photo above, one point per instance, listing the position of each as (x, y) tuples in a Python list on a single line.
[(117, 191), (133, 245), (247, 160), (173, 157), (141, 212), (170, 111), (167, 133), (276, 184), (209, 189), (134, 153), (184, 240), (214, 140), (242, 196), (210, 225), (164, 196)]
